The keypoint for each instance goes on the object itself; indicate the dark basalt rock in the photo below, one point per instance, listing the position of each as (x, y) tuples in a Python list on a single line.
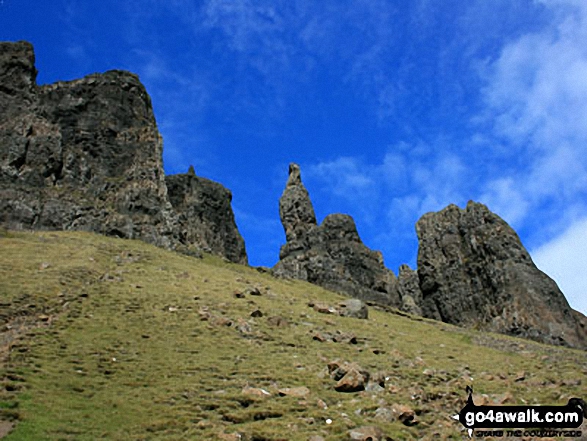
[(85, 155), (409, 289), (332, 254), (295, 208), (205, 215), (475, 272)]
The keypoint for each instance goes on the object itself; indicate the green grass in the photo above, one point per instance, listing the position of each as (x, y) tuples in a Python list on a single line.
[(107, 341)]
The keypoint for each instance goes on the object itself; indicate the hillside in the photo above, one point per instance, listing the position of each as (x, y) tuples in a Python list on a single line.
[(105, 338)]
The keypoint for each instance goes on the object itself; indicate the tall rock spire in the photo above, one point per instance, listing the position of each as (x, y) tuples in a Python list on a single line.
[(331, 254), (295, 208)]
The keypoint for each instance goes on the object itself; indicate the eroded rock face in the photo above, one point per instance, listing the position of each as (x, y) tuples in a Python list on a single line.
[(331, 254), (83, 155), (475, 272), (205, 215), (409, 289), (295, 208)]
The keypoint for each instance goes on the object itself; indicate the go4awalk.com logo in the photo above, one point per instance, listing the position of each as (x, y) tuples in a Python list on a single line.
[(533, 421)]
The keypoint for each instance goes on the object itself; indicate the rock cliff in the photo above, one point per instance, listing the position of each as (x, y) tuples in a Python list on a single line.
[(475, 272), (205, 215), (331, 254), (87, 155)]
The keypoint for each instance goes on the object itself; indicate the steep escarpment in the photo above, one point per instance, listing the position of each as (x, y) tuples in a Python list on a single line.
[(475, 272), (331, 254), (87, 155)]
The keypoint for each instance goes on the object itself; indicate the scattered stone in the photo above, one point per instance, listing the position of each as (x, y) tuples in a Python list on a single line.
[(255, 391), (350, 377), (256, 313), (353, 308), (239, 294), (298, 392), (374, 388), (368, 433), (204, 424), (505, 398), (221, 321), (243, 326), (384, 414), (278, 322), (337, 337), (318, 336), (230, 436), (253, 291), (204, 313), (321, 404), (5, 428), (405, 414), (324, 308)]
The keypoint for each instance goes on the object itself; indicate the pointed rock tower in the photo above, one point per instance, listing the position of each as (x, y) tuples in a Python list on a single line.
[(331, 254)]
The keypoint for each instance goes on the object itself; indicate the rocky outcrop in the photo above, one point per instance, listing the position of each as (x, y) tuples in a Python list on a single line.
[(331, 254), (474, 272), (87, 155), (205, 215), (409, 290), (295, 207)]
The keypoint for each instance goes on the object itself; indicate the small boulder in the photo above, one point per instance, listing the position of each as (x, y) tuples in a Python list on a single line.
[(298, 392), (323, 308), (277, 321), (255, 391), (353, 381), (368, 433), (350, 377), (353, 308), (405, 414)]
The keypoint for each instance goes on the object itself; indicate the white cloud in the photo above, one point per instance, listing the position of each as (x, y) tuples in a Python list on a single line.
[(536, 98), (347, 177), (507, 200), (538, 85), (563, 259), (394, 192)]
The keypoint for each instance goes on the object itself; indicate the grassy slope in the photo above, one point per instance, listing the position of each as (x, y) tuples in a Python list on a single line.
[(112, 345)]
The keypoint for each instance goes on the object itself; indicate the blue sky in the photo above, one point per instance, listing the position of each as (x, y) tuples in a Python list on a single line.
[(391, 108)]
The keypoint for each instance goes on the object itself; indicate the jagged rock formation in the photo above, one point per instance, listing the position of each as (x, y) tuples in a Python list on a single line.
[(86, 155), (295, 207), (409, 289), (332, 254), (205, 215), (475, 272)]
